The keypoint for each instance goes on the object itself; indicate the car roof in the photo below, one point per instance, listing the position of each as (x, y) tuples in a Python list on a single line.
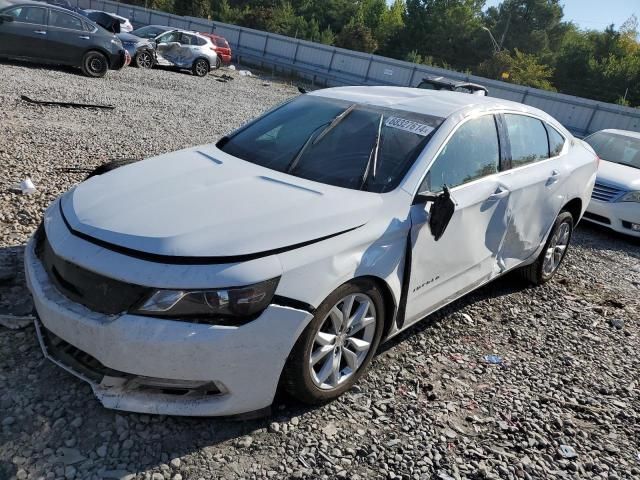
[(437, 103), (625, 133), (451, 82), (43, 3)]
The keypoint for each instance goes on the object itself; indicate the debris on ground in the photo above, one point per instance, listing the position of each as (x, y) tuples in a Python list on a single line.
[(567, 451), (493, 359), (245, 73), (49, 103), (27, 187)]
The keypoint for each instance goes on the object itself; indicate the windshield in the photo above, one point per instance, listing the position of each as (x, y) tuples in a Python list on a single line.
[(616, 148), (335, 142)]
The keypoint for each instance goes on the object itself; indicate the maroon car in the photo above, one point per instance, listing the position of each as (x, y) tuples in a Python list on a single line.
[(222, 48)]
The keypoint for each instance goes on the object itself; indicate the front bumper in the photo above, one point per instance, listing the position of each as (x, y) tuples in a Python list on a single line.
[(244, 363), (119, 59), (618, 216)]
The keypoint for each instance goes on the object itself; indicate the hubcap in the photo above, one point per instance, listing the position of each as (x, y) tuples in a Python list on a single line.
[(343, 341), (556, 248), (95, 65), (201, 68), (144, 60)]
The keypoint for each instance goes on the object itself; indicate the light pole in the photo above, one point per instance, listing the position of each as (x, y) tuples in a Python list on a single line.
[(496, 47)]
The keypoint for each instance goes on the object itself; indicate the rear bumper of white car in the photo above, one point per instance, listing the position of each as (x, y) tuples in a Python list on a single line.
[(618, 216), (159, 366)]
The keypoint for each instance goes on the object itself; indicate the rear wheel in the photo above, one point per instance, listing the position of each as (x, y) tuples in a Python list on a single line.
[(94, 64), (218, 62), (200, 67), (336, 348), (143, 59), (547, 264)]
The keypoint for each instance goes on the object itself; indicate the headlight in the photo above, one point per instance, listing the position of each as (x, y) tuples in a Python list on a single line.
[(116, 41), (226, 306), (630, 197)]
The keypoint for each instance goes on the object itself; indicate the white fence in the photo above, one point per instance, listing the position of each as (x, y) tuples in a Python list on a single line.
[(336, 66)]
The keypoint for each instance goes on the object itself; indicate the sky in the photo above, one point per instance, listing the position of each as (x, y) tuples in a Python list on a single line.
[(595, 14)]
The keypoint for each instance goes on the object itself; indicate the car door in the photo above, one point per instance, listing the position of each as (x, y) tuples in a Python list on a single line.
[(26, 35), (69, 37), (535, 182), (168, 48), (465, 256)]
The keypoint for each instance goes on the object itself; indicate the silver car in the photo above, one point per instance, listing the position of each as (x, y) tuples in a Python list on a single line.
[(186, 50)]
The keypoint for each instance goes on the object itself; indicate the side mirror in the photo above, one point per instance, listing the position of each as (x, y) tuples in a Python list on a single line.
[(6, 18), (440, 212)]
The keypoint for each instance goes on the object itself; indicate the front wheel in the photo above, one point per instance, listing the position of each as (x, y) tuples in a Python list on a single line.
[(94, 64), (546, 265), (143, 59), (337, 346), (200, 67)]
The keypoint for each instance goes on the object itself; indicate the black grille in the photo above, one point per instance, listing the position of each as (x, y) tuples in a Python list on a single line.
[(94, 291), (597, 218)]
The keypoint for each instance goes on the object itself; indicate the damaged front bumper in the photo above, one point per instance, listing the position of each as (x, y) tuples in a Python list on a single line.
[(159, 366)]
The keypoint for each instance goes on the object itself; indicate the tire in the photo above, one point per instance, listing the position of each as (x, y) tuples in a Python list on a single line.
[(313, 388), (200, 67), (94, 64), (143, 59), (555, 248), (218, 63), (107, 167)]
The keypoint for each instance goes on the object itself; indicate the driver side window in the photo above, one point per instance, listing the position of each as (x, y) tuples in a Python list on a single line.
[(169, 37), (471, 153)]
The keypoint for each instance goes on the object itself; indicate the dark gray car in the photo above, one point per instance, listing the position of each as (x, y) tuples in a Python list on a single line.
[(45, 33)]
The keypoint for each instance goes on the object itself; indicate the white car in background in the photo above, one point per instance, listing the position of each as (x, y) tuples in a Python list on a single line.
[(125, 24), (615, 202), (197, 282)]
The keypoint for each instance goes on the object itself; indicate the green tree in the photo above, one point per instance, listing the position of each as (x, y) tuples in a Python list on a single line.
[(356, 36), (520, 68)]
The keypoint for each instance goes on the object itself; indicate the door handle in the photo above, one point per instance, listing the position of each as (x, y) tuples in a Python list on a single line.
[(497, 195), (40, 32), (83, 37), (555, 176)]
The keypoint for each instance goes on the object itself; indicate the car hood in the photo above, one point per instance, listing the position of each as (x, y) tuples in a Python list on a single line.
[(623, 176), (201, 202), (127, 37)]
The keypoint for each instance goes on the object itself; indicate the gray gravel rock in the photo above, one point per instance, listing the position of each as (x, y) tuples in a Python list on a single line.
[(430, 407)]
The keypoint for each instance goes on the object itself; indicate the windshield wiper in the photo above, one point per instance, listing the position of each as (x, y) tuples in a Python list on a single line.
[(334, 123), (329, 126), (370, 172)]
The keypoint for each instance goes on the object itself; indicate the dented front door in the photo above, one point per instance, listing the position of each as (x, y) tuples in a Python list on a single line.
[(175, 49), (466, 254)]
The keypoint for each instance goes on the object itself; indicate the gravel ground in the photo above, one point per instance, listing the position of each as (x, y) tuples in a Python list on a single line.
[(563, 403)]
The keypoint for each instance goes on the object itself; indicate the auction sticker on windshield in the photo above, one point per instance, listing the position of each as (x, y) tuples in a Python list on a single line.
[(409, 126)]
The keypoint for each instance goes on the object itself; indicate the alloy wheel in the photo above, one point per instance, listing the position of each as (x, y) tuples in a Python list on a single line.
[(343, 341), (96, 65), (144, 60), (201, 68), (556, 248)]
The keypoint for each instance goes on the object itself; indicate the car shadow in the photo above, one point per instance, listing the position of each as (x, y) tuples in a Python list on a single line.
[(597, 237), (41, 66)]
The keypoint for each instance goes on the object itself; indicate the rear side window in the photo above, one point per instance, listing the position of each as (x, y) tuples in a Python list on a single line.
[(528, 139), (201, 41), (221, 43), (35, 15), (556, 141), (471, 153), (64, 20)]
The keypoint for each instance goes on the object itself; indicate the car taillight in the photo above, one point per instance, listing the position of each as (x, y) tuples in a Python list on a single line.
[(213, 48)]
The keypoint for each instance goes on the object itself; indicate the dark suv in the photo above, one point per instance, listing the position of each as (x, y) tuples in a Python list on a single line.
[(49, 34)]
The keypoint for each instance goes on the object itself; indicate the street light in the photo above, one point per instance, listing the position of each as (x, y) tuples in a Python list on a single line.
[(496, 47)]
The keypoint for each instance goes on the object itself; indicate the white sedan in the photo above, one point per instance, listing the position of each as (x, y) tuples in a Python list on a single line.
[(125, 24), (197, 282), (615, 202)]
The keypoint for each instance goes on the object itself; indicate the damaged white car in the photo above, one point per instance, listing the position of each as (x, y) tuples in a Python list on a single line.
[(199, 281)]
